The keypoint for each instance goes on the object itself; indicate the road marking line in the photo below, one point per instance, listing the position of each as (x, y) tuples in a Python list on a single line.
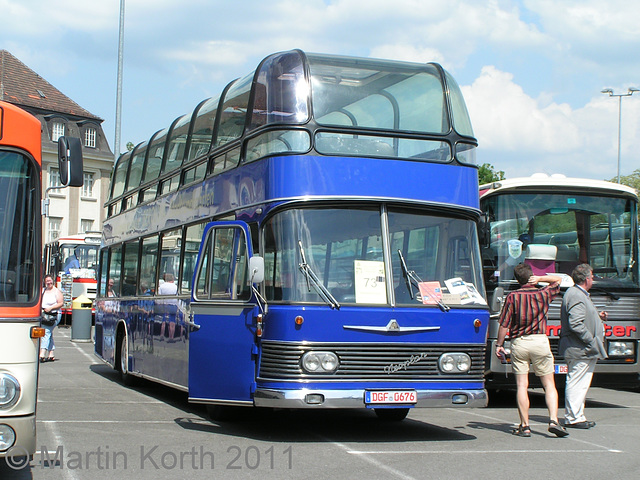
[(53, 422), (374, 462), (68, 474), (481, 452)]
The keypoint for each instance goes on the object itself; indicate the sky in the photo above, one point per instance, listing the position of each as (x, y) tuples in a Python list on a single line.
[(531, 71)]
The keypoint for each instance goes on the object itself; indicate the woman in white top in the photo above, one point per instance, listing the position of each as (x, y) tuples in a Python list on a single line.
[(52, 301)]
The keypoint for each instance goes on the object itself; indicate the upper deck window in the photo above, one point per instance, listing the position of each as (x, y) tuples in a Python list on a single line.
[(234, 111), (176, 144), (120, 175), (376, 94), (156, 152), (281, 91), (137, 165), (461, 120), (203, 129)]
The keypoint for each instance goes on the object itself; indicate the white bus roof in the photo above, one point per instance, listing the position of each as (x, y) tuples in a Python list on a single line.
[(89, 238), (555, 182)]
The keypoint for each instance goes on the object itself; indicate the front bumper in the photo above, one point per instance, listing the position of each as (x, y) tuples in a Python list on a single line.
[(25, 430), (308, 398)]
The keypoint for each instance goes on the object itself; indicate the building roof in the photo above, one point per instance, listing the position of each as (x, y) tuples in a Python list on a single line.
[(23, 87)]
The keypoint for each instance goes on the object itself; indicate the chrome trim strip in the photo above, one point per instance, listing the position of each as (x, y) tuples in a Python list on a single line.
[(213, 401)]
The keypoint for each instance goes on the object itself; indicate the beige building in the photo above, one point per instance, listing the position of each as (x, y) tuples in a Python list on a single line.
[(71, 210)]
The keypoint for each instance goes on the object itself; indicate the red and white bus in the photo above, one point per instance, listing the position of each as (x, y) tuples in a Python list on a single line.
[(77, 256), (20, 275)]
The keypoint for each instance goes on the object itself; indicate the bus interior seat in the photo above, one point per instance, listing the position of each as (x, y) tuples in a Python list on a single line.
[(541, 258)]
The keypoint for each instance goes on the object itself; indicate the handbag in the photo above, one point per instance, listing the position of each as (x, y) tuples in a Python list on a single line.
[(49, 319)]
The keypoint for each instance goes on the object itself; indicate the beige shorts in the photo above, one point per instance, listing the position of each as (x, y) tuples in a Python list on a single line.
[(532, 349)]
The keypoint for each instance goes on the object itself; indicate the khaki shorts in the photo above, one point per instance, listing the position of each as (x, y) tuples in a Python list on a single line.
[(532, 349)]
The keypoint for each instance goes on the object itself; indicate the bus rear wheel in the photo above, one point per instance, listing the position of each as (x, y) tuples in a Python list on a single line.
[(391, 414)]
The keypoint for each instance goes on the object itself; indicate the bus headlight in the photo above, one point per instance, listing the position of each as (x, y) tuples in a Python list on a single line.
[(454, 363), (7, 437), (620, 349), (9, 390), (320, 362)]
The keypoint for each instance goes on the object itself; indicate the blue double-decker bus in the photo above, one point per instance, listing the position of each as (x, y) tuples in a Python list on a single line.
[(308, 239)]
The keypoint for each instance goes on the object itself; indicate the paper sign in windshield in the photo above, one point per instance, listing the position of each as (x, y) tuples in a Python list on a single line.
[(370, 282), (431, 292)]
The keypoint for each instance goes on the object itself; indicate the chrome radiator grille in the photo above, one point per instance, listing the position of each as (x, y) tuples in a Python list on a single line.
[(368, 361)]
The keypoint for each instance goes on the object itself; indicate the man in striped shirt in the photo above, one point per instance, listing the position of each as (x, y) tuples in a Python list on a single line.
[(524, 317)]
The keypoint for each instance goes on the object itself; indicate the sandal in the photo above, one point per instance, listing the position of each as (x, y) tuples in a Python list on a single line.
[(557, 429), (51, 359), (522, 431), (43, 359)]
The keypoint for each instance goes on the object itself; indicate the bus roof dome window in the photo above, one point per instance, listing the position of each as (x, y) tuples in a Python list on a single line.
[(281, 91), (461, 121), (380, 94)]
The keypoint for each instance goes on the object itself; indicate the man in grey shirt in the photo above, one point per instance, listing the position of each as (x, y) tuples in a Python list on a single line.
[(581, 344)]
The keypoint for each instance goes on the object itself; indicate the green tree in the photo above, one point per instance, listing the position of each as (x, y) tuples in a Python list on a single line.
[(130, 146), (632, 180), (487, 174)]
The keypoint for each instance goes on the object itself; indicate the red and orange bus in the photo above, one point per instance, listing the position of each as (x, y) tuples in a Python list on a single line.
[(20, 274)]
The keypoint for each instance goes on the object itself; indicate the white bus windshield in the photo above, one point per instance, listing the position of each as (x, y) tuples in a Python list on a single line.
[(564, 230)]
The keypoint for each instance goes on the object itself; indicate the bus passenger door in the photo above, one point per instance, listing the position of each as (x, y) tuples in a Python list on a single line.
[(222, 346)]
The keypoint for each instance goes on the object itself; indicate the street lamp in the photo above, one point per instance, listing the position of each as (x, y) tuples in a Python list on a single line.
[(620, 95)]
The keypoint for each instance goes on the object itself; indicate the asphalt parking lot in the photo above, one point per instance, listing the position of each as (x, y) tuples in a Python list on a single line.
[(92, 427)]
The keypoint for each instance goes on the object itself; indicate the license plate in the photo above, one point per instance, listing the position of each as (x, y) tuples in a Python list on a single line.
[(561, 368), (390, 397)]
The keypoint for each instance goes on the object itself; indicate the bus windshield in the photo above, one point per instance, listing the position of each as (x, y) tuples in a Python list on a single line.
[(350, 260), (19, 193), (572, 228), (87, 256)]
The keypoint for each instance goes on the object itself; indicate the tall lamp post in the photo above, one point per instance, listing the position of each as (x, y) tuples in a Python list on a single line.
[(620, 95)]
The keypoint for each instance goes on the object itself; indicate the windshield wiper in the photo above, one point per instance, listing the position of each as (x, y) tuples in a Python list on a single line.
[(410, 278), (313, 278), (609, 294)]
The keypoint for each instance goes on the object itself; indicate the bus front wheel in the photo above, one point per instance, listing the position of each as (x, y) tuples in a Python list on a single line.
[(391, 414), (123, 367)]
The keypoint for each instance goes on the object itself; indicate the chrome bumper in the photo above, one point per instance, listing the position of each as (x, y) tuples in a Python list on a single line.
[(355, 398)]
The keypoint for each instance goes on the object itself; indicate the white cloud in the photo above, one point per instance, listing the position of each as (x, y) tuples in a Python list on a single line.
[(522, 135), (42, 18), (506, 118), (409, 53)]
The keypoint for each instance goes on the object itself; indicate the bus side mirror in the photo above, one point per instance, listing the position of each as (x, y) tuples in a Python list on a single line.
[(497, 299), (70, 161), (256, 269)]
